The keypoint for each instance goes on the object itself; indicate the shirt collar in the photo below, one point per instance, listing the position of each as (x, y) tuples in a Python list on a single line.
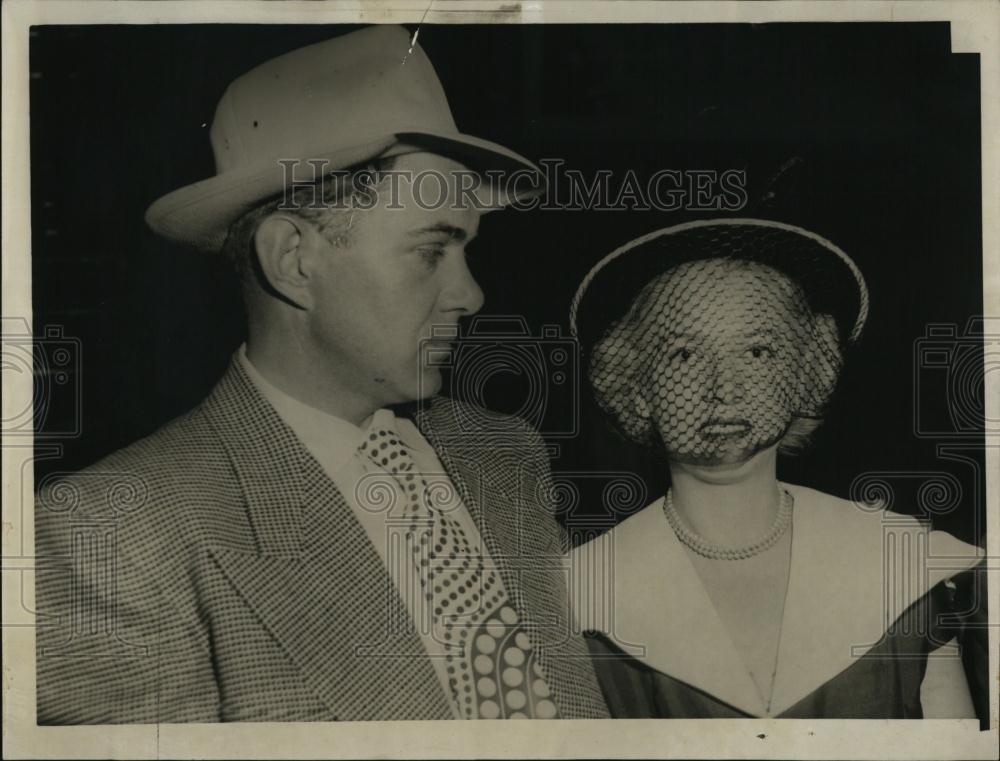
[(332, 437)]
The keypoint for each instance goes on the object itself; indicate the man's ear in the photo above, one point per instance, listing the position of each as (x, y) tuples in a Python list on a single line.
[(283, 248)]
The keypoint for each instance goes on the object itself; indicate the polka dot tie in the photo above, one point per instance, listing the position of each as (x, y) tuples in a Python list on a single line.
[(492, 669)]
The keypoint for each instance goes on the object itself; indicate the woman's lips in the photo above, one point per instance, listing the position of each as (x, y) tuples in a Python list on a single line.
[(725, 427)]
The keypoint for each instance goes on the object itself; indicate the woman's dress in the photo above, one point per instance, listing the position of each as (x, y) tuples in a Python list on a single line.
[(869, 599)]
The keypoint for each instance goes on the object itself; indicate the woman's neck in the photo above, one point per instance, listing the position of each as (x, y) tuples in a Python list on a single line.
[(728, 505)]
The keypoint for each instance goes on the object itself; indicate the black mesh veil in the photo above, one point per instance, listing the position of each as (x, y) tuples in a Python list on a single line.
[(717, 338)]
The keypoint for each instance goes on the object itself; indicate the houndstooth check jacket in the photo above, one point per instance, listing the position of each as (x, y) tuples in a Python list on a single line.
[(213, 572)]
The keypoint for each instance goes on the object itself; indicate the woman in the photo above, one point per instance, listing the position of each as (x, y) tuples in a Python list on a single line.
[(735, 594)]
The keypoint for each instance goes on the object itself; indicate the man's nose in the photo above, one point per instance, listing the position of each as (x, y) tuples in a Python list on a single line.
[(462, 293)]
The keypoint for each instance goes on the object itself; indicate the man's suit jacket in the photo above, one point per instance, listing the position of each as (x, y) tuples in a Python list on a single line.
[(213, 572)]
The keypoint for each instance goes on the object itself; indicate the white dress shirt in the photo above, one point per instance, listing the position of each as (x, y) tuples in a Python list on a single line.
[(334, 443)]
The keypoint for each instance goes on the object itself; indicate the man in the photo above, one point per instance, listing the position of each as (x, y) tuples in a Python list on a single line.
[(290, 549)]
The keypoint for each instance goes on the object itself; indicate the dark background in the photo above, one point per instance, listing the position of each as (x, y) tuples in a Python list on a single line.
[(867, 134)]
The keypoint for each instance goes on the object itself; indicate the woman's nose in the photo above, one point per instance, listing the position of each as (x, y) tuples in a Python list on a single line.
[(724, 382)]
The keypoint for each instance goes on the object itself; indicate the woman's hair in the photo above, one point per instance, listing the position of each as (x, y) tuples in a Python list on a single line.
[(622, 360)]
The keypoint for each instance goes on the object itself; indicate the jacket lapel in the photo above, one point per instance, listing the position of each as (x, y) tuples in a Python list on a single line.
[(315, 581), (495, 484), (470, 480)]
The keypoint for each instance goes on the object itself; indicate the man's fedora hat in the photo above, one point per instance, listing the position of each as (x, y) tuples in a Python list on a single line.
[(343, 102)]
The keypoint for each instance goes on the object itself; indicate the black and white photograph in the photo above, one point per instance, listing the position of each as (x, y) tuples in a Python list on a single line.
[(369, 368)]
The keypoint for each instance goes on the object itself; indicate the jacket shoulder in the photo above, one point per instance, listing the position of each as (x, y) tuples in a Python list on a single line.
[(180, 463)]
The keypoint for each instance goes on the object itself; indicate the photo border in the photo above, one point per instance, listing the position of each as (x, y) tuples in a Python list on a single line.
[(974, 29)]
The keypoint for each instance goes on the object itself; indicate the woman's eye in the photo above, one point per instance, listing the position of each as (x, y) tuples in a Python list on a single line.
[(761, 352)]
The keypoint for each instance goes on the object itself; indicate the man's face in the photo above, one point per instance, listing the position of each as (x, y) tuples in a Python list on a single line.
[(723, 343), (401, 273)]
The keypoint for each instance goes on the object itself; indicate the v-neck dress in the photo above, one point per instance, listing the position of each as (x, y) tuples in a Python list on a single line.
[(869, 598)]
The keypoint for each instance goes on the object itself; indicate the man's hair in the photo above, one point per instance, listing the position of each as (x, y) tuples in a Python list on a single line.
[(329, 203)]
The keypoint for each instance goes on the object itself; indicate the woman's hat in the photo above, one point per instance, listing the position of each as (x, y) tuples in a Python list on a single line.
[(831, 281), (336, 104)]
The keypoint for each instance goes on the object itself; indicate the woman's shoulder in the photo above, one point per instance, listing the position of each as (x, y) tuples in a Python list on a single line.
[(866, 538), (628, 529), (863, 512)]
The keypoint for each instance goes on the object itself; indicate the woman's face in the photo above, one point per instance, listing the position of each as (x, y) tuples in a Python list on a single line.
[(720, 342)]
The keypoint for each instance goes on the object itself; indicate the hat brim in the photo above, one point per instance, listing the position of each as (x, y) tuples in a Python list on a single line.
[(831, 281), (200, 214)]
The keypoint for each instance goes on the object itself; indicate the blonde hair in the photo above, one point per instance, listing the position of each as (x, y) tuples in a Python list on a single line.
[(616, 361)]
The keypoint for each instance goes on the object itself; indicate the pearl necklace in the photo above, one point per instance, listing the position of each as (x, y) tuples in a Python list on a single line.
[(716, 552)]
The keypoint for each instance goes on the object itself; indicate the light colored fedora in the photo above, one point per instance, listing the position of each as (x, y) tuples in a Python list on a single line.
[(343, 101)]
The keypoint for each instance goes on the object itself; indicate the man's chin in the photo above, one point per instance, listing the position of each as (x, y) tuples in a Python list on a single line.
[(429, 383)]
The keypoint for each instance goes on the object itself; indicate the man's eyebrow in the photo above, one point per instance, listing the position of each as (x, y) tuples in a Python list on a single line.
[(453, 232)]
